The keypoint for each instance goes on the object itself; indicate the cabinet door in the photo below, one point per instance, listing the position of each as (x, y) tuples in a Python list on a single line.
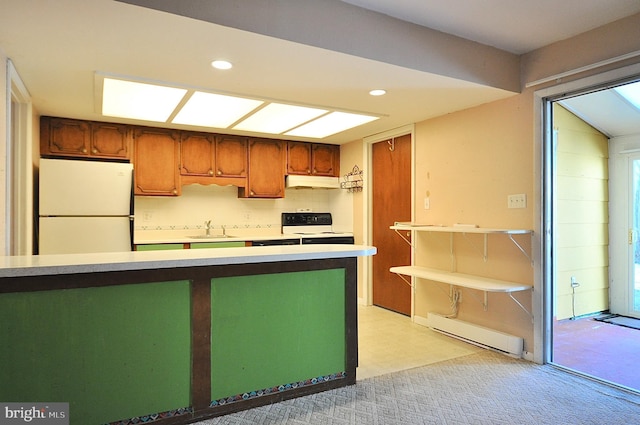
[(196, 154), (64, 137), (156, 161), (266, 169), (231, 156), (325, 160), (110, 140), (298, 158)]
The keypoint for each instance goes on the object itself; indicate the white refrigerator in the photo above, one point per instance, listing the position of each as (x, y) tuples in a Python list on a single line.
[(85, 206)]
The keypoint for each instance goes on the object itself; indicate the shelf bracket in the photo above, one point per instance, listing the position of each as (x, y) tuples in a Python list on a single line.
[(404, 238), (515, 242), (405, 279), (521, 306), (485, 299)]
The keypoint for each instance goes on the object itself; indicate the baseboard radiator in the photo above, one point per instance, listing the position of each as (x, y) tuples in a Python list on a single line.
[(476, 334)]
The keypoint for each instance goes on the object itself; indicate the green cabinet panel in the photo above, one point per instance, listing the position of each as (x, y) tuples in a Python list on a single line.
[(276, 329), (112, 352), (159, 247)]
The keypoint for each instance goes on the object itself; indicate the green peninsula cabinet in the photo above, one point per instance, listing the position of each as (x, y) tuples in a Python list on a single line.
[(172, 338)]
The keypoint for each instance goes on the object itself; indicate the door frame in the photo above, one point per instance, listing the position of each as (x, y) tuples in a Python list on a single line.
[(543, 244), (367, 218), (18, 237), (622, 151)]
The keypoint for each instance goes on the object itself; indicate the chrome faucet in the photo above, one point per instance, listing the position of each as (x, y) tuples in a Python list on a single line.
[(207, 227)]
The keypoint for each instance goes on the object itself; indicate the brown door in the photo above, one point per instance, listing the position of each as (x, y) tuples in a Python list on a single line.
[(391, 186)]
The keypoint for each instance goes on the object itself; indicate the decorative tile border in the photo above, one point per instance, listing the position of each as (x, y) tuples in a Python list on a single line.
[(280, 388), (153, 417)]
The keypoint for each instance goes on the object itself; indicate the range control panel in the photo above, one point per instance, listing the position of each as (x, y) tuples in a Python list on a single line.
[(306, 219)]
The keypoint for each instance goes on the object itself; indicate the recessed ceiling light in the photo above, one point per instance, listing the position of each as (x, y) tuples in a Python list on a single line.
[(377, 92), (130, 99), (221, 64), (276, 118), (329, 124), (214, 110)]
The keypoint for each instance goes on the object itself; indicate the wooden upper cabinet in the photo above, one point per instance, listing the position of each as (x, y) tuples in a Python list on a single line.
[(156, 161), (325, 160), (110, 140), (266, 169), (76, 138), (231, 156), (315, 159), (60, 136), (299, 158), (197, 154)]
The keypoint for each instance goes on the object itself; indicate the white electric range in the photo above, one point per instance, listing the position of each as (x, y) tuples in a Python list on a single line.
[(313, 228)]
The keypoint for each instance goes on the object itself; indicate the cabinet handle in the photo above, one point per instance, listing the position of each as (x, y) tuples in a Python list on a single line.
[(94, 150), (211, 172), (308, 171), (219, 172), (174, 191), (84, 150), (252, 193)]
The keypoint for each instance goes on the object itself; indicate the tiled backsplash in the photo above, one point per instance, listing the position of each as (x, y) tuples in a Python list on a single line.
[(221, 205)]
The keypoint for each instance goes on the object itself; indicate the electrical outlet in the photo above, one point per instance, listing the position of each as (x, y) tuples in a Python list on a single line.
[(517, 201), (147, 215)]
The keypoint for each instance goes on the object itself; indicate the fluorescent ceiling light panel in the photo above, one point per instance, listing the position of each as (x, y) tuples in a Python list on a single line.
[(329, 124), (129, 99), (631, 92), (214, 110), (276, 118)]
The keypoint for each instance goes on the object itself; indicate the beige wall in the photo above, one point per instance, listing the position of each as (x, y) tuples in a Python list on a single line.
[(467, 163), (582, 216), (351, 155)]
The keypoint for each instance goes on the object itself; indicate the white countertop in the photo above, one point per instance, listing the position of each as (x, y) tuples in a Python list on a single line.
[(40, 265)]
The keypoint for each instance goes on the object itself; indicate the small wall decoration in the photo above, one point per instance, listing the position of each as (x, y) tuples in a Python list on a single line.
[(352, 180)]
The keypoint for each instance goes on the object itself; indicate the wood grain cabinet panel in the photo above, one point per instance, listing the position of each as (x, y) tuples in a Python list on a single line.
[(155, 164), (299, 158), (266, 169), (325, 160), (110, 140), (317, 159), (231, 156), (62, 137), (197, 154)]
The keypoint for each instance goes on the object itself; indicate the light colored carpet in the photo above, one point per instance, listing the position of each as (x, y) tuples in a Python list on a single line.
[(481, 388)]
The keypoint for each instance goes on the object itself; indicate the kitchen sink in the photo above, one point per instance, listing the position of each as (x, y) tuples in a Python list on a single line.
[(220, 236)]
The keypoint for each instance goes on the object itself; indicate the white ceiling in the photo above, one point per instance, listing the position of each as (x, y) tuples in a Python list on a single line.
[(58, 46)]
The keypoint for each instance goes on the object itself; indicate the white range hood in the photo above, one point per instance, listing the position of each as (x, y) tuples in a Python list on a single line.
[(313, 182)]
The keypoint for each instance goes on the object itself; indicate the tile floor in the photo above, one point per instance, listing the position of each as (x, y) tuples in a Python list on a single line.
[(390, 342)]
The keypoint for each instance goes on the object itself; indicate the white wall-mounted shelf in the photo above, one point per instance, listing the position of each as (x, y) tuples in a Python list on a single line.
[(479, 283), (398, 227), (457, 229), (459, 279)]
